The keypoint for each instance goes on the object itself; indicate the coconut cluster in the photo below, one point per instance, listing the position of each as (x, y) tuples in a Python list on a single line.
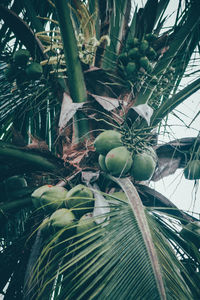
[(137, 57), (117, 160), (64, 208), (22, 69), (161, 86)]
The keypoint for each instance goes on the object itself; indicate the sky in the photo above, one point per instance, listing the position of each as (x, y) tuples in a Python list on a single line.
[(185, 194)]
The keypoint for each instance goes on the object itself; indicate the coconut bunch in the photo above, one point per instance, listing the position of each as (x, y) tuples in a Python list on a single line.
[(64, 208), (121, 159), (137, 58), (165, 82), (22, 69)]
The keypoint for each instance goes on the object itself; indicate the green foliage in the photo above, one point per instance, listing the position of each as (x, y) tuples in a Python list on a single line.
[(192, 170), (21, 57), (85, 66)]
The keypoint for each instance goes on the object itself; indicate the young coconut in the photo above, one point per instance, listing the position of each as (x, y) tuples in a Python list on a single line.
[(123, 59), (38, 193), (62, 218), (85, 223), (13, 185), (192, 170), (150, 37), (118, 161), (102, 163), (11, 72), (106, 141), (144, 45), (131, 69), (134, 42), (143, 166), (134, 53), (80, 200), (53, 198), (144, 62), (21, 57), (45, 227), (34, 71), (149, 150), (151, 53)]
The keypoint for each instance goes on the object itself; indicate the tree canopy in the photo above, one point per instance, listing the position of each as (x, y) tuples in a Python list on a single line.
[(86, 87)]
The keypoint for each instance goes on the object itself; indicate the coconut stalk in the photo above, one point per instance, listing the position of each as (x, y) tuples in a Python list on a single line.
[(75, 75), (139, 213)]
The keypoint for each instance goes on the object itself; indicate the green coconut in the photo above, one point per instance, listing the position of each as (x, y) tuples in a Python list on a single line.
[(107, 140), (15, 182), (102, 163), (150, 151), (53, 198), (62, 218), (45, 227), (80, 200), (38, 193), (144, 46), (191, 232), (192, 170), (150, 37), (144, 62), (134, 42), (34, 71), (131, 69), (86, 223), (21, 57), (118, 161), (133, 53), (151, 53), (15, 185), (122, 58), (143, 166), (10, 72)]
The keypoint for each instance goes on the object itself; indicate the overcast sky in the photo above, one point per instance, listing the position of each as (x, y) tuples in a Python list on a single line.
[(184, 193)]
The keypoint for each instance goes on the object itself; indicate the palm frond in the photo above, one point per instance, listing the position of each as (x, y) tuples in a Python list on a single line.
[(111, 261)]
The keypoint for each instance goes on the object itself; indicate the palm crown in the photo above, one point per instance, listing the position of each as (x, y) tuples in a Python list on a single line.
[(72, 70)]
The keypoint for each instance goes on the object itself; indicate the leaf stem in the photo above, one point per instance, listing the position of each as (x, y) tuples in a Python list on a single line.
[(75, 75)]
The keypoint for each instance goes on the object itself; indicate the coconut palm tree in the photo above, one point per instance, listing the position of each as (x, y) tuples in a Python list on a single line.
[(70, 71)]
